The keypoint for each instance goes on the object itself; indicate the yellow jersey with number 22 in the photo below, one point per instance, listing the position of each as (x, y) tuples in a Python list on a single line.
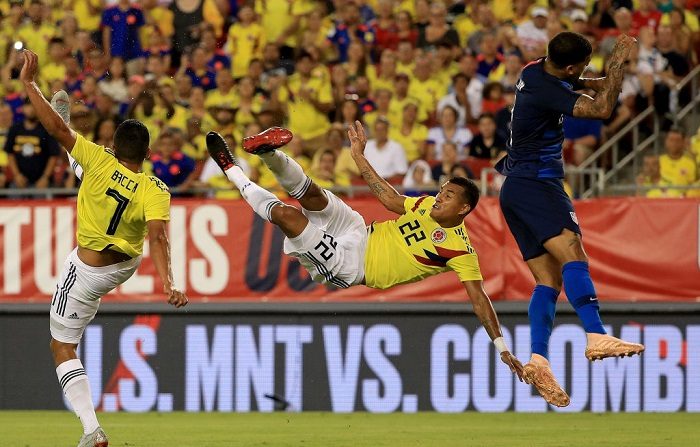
[(415, 246), (114, 203)]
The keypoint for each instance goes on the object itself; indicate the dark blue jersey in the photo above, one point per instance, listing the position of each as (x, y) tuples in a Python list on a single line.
[(535, 145)]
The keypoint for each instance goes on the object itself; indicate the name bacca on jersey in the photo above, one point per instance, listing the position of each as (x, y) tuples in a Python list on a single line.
[(414, 246), (114, 203)]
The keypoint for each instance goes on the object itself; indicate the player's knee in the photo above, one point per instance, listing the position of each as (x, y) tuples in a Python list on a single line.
[(550, 279), (283, 213), (316, 193)]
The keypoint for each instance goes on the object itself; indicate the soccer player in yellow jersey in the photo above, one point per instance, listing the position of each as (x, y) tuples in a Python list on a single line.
[(331, 240), (117, 206)]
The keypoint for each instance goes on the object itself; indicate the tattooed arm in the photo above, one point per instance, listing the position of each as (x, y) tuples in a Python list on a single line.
[(390, 198), (601, 107), (595, 84)]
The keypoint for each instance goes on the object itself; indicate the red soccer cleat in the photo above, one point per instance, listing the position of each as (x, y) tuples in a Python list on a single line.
[(267, 140)]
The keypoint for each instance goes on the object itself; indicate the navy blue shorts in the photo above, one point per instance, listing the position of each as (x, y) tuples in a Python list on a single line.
[(536, 210)]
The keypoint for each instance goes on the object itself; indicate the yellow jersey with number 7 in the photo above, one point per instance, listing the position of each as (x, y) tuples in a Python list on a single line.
[(114, 203)]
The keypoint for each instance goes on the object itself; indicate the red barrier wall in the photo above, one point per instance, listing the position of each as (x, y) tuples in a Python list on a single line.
[(640, 250)]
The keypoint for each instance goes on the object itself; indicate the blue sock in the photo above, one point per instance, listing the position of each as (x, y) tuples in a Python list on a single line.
[(543, 306), (581, 293)]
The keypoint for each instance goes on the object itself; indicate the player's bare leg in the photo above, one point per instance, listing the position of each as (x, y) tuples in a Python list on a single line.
[(547, 273), (288, 172), (567, 248), (291, 220)]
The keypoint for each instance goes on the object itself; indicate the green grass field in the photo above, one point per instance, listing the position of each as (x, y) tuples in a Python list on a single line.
[(60, 428)]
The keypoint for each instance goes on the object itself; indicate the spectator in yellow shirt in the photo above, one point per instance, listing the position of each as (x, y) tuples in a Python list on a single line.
[(87, 13), (224, 93), (246, 40), (675, 166), (308, 100), (324, 173), (410, 134), (405, 58), (424, 87), (37, 33), (382, 99), (345, 167), (651, 176), (402, 97), (54, 69), (248, 103), (385, 76)]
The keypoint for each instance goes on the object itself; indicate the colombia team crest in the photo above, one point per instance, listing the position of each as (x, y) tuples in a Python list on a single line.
[(438, 235)]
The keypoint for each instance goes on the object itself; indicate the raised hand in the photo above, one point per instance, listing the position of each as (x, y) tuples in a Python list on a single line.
[(30, 67), (358, 138), (623, 47)]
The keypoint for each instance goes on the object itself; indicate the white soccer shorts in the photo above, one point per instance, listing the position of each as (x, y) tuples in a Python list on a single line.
[(78, 294), (332, 246)]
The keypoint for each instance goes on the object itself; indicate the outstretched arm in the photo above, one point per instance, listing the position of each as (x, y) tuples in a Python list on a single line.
[(484, 311), (50, 119), (390, 198), (160, 253), (608, 88)]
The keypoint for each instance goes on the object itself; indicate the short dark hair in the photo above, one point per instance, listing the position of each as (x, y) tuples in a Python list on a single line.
[(568, 48), (471, 191), (131, 141)]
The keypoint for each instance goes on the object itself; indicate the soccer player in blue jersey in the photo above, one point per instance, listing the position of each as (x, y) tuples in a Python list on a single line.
[(535, 206)]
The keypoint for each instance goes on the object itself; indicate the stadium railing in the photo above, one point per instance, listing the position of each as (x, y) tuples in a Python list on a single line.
[(624, 164)]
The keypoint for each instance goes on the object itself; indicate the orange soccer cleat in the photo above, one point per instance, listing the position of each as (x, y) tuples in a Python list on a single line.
[(602, 346), (541, 376)]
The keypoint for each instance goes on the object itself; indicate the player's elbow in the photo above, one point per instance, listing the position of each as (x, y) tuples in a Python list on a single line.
[(395, 203), (605, 112)]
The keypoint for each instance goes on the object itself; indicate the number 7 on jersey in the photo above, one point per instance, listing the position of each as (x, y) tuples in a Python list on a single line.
[(122, 203)]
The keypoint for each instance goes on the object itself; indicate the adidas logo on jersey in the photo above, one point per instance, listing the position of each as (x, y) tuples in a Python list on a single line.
[(421, 212), (73, 316)]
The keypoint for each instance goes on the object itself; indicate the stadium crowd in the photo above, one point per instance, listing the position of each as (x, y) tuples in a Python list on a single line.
[(431, 81)]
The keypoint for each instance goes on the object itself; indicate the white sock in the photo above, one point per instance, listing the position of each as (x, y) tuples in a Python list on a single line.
[(71, 376), (288, 173), (261, 200)]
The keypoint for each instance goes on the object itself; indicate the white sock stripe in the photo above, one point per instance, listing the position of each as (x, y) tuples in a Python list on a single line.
[(268, 209), (70, 376), (304, 188)]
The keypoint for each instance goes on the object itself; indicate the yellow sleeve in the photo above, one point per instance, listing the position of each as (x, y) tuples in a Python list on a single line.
[(90, 155), (466, 267), (213, 16), (412, 204), (157, 201)]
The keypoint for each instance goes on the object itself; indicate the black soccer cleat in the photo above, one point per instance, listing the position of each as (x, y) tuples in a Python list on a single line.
[(219, 151)]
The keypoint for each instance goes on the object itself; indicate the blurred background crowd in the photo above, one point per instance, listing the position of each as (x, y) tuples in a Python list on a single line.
[(432, 81)]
